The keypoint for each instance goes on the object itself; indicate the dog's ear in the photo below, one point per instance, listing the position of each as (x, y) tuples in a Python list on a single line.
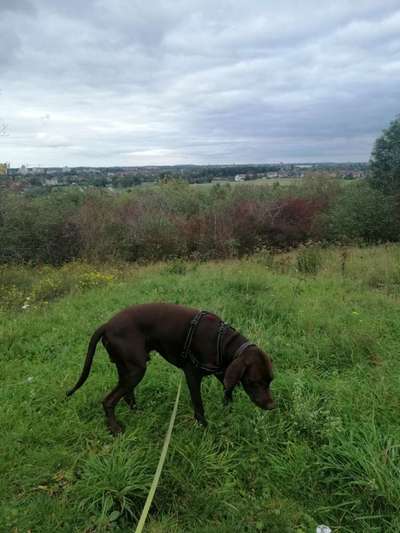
[(234, 373)]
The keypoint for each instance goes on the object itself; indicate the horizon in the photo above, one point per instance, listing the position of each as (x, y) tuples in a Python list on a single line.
[(298, 163)]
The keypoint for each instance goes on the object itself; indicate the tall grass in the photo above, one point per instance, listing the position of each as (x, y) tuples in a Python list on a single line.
[(328, 454)]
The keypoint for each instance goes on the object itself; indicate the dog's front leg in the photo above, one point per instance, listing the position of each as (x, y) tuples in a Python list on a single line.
[(227, 397), (193, 379), (227, 393)]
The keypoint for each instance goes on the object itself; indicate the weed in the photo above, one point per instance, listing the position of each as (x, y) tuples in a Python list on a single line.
[(176, 266), (309, 260)]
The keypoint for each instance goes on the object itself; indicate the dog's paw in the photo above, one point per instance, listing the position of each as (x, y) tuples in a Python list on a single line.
[(131, 403), (227, 401), (201, 420), (116, 429)]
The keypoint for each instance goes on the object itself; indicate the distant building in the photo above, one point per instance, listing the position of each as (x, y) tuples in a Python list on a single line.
[(4, 169), (240, 177), (49, 182), (356, 174), (23, 170), (37, 170)]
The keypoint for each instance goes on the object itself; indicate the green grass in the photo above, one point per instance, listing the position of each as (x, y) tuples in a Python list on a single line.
[(330, 452)]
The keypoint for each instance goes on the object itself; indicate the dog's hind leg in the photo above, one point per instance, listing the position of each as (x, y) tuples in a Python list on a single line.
[(131, 366), (119, 354), (129, 397), (126, 383)]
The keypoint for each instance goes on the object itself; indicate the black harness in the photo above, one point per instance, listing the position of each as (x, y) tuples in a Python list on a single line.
[(222, 327)]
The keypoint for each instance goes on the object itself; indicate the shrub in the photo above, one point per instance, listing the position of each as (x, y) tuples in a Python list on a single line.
[(362, 214), (182, 221), (291, 221), (40, 229)]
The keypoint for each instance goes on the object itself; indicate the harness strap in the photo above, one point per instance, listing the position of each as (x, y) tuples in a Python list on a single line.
[(242, 348), (192, 328), (223, 326), (220, 337)]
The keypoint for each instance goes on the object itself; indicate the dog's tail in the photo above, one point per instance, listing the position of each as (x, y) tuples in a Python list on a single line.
[(97, 335)]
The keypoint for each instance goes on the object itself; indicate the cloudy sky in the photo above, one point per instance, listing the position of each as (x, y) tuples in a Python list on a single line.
[(135, 82)]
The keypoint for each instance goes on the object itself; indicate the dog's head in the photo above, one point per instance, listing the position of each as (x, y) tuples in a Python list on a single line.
[(253, 368)]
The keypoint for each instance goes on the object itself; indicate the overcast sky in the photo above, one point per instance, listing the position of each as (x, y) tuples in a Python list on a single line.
[(126, 82)]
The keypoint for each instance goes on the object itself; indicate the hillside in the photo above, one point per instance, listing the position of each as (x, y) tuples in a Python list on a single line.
[(327, 454)]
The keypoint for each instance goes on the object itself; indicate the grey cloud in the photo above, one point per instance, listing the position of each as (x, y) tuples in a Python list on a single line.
[(13, 17), (16, 5), (10, 44), (128, 82)]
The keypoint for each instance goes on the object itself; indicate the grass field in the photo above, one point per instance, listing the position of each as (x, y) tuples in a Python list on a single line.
[(330, 452)]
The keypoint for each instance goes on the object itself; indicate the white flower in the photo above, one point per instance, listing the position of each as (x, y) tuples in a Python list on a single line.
[(323, 529)]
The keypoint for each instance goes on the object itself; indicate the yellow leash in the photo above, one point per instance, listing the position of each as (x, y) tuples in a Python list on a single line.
[(156, 479)]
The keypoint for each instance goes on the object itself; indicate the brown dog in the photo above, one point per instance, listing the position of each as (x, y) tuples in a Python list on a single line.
[(198, 342)]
